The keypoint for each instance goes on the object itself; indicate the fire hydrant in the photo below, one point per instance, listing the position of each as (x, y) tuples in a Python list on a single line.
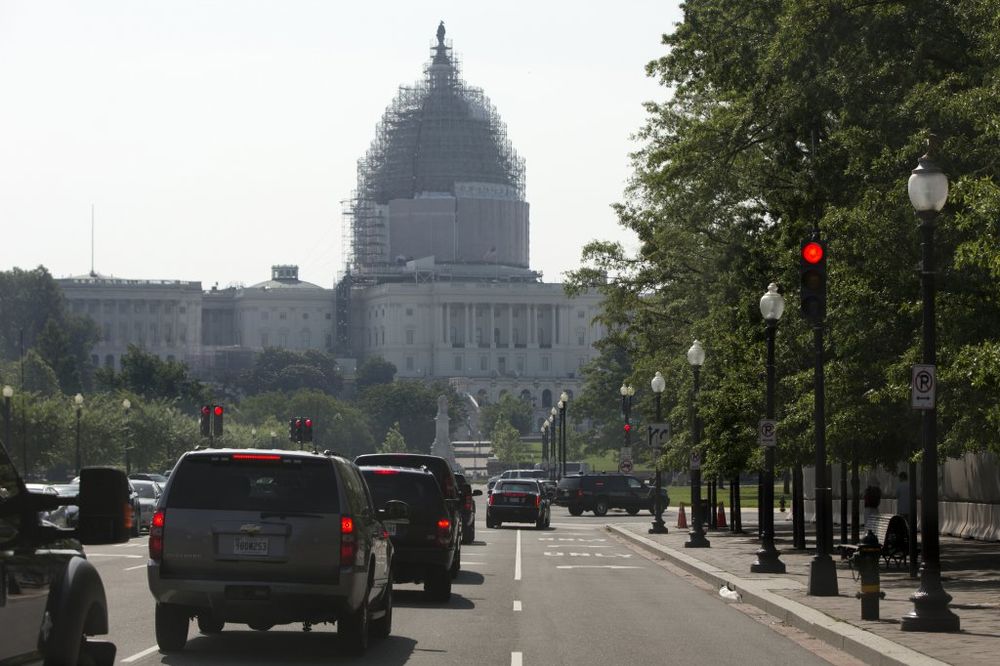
[(866, 561)]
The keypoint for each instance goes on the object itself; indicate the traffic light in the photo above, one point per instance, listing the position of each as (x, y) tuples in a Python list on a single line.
[(628, 427), (206, 420), (307, 430), (217, 420), (295, 430), (812, 277)]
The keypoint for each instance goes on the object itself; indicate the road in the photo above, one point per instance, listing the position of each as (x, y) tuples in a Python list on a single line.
[(568, 595)]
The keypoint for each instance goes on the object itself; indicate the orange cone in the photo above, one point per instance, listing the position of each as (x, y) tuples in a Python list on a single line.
[(682, 521), (720, 517)]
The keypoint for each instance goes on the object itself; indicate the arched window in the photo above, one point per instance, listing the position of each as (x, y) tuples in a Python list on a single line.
[(526, 395), (546, 399)]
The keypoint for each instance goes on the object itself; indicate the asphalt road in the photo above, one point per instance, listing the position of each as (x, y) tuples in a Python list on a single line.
[(569, 595)]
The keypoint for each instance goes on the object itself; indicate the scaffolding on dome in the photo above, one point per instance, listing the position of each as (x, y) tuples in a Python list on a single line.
[(434, 134)]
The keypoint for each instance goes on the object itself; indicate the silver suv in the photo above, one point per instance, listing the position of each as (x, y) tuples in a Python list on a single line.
[(269, 537)]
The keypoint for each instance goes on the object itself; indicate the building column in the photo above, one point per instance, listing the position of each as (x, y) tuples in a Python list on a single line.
[(510, 325), (447, 324), (493, 325)]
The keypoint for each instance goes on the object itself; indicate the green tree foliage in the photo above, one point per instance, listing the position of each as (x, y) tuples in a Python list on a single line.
[(786, 116), (508, 409), (375, 370), (284, 370), (413, 405), (394, 441), (38, 376), (506, 442), (598, 402), (151, 377)]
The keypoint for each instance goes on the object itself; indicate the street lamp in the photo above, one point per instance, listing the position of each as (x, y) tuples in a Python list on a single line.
[(563, 403), (696, 537), (772, 305), (8, 392), (554, 422), (127, 405), (627, 391), (544, 429), (659, 527), (78, 399), (253, 437), (274, 437), (928, 190)]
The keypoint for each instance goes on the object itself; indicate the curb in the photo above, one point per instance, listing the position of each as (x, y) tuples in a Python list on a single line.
[(864, 645)]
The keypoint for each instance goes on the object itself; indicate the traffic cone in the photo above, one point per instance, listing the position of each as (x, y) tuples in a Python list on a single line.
[(682, 521), (720, 517)]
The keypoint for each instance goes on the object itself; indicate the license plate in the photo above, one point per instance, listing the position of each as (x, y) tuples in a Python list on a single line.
[(250, 545), (515, 500), (390, 528)]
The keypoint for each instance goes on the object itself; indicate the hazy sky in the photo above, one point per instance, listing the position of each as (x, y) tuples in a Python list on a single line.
[(218, 138)]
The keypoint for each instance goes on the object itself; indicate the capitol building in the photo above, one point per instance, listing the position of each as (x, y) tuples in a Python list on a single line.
[(437, 277)]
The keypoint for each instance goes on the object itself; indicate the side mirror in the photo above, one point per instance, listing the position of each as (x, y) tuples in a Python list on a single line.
[(477, 492), (394, 511), (105, 511)]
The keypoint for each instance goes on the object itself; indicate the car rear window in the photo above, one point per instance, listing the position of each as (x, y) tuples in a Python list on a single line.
[(433, 464), (419, 491), (516, 487), (228, 483)]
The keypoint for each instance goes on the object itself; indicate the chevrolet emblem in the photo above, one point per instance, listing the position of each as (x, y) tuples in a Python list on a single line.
[(250, 528)]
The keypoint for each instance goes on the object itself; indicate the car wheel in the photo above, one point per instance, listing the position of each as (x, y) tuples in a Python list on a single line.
[(260, 627), (171, 627), (352, 630), (382, 627), (540, 523), (489, 524), (600, 506), (135, 523), (632, 510), (209, 625), (456, 563), (469, 535), (438, 585), (575, 510)]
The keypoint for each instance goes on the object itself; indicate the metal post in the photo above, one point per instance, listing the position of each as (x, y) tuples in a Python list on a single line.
[(912, 520), (822, 569), (843, 501), (930, 603), (768, 558), (696, 537), (855, 489), (6, 418), (79, 464), (562, 438), (658, 527), (798, 510)]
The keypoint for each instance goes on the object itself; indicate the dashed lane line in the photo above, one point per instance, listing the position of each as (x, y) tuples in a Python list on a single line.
[(517, 606), (516, 659), (517, 559)]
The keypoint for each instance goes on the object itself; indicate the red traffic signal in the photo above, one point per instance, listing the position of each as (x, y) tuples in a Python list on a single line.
[(812, 252), (628, 427), (218, 410), (307, 430)]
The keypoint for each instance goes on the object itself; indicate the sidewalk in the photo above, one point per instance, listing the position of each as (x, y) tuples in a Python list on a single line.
[(970, 573)]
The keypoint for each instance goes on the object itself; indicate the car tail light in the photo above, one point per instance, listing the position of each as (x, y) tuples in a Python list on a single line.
[(492, 497), (579, 493), (468, 502), (156, 535), (256, 457), (348, 543), (538, 501), (386, 471), (443, 531)]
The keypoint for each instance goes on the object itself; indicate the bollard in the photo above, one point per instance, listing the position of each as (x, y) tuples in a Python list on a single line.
[(781, 503), (866, 561)]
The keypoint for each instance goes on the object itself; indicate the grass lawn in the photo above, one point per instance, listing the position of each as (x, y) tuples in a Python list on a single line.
[(748, 496)]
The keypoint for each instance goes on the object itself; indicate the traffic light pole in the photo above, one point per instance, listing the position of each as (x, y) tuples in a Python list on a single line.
[(822, 569)]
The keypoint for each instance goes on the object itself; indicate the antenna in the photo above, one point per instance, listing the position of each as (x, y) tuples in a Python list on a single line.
[(92, 273)]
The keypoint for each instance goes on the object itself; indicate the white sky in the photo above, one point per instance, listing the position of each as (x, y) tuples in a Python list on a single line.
[(218, 138)]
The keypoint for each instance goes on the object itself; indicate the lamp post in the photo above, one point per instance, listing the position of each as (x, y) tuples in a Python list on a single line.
[(658, 527), (274, 438), (772, 305), (127, 405), (696, 537), (253, 437), (554, 421), (78, 399), (928, 190), (627, 391), (544, 429), (8, 392), (563, 404)]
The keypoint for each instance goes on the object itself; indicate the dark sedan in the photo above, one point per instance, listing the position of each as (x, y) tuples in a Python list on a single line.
[(518, 501)]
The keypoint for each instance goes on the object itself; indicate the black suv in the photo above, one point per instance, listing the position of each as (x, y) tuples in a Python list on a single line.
[(518, 501), (600, 492), (426, 545), (269, 537), (436, 465), (51, 598), (468, 507)]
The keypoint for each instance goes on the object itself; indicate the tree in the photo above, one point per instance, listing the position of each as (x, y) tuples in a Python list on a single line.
[(285, 370), (394, 441), (509, 409), (507, 444), (374, 370), (151, 377)]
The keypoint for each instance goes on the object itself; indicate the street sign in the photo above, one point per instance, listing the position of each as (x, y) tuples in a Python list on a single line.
[(625, 453), (695, 461), (767, 432), (922, 387), (625, 466), (659, 434)]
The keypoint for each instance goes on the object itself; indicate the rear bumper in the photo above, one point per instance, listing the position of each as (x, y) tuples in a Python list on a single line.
[(262, 601), (513, 514), (411, 565)]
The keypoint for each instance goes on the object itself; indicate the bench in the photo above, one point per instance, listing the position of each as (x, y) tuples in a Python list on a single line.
[(893, 534)]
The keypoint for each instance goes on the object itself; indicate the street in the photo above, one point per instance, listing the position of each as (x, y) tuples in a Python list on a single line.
[(572, 594)]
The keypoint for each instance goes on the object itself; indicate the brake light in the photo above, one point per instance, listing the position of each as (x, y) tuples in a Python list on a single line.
[(255, 456), (348, 545), (156, 535), (444, 531), (387, 471), (129, 515), (492, 496), (468, 503), (538, 501)]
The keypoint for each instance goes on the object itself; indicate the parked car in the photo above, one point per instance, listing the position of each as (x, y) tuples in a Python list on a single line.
[(600, 492), (516, 474), (518, 501), (149, 476), (550, 487), (147, 493), (269, 537), (52, 600), (468, 508), (436, 465), (427, 546)]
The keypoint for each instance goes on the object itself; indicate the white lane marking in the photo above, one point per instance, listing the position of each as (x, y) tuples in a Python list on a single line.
[(138, 566), (515, 659), (517, 605), (517, 567), (594, 566), (130, 557), (139, 655)]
